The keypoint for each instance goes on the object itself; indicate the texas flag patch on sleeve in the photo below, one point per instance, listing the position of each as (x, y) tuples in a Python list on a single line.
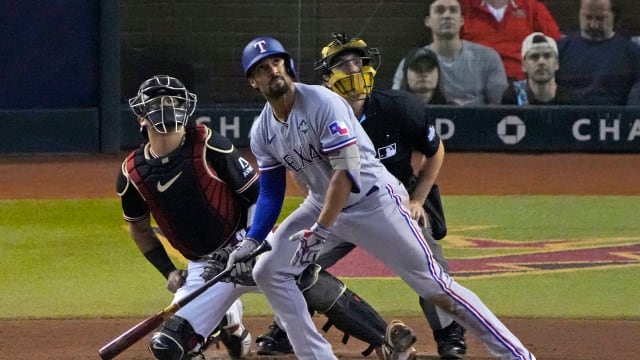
[(338, 128)]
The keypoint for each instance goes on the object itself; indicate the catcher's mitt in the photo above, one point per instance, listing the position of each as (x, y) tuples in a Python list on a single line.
[(398, 342), (217, 262)]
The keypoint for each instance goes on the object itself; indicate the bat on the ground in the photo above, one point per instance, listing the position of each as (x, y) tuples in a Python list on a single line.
[(131, 336)]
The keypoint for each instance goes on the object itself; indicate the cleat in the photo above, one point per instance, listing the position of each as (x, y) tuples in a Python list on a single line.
[(451, 342), (274, 342), (237, 340)]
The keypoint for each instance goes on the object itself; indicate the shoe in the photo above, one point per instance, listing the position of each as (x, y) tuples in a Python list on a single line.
[(398, 342), (451, 342), (237, 340), (274, 342)]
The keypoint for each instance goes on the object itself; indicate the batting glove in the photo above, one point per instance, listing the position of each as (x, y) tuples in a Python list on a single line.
[(310, 243), (217, 262), (241, 252)]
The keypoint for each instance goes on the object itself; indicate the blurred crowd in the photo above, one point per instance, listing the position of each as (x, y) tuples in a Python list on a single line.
[(513, 52)]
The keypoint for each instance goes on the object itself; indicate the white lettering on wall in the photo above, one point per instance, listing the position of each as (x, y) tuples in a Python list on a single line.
[(445, 128), (613, 129), (634, 132), (233, 126), (575, 129)]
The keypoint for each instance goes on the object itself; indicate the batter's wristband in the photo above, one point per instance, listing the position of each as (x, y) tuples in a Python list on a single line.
[(320, 230), (158, 257)]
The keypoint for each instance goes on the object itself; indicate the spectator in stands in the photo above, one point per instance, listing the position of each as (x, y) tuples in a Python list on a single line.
[(599, 66), (472, 74), (540, 63), (503, 24), (421, 76)]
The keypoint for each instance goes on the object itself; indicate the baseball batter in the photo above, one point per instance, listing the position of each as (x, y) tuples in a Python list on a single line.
[(312, 132)]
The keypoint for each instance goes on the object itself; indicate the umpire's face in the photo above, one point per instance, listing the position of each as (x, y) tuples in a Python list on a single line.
[(270, 77)]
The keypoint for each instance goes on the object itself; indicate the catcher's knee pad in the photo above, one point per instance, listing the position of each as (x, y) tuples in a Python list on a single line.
[(344, 309), (174, 340)]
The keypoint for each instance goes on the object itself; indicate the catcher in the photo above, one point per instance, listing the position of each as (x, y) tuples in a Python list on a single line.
[(200, 192)]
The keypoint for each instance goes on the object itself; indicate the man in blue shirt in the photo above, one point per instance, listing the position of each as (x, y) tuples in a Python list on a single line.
[(597, 65)]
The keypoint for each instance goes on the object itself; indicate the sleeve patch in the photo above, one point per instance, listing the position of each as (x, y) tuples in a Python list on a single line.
[(338, 128), (431, 133)]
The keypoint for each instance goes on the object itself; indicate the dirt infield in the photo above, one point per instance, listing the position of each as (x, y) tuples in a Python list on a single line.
[(84, 176)]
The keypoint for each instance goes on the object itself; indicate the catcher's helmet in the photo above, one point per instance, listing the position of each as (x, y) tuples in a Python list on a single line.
[(165, 102), (343, 83), (264, 47)]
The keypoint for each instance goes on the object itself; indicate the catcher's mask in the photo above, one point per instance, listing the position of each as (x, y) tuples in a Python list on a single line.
[(347, 84), (165, 102)]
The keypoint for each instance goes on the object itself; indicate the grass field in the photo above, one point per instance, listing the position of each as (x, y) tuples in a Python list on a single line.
[(74, 258)]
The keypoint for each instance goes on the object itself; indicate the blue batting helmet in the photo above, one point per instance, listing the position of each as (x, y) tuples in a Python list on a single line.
[(261, 48)]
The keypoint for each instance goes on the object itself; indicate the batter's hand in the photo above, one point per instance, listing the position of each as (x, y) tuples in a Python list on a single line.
[(217, 262), (176, 279), (241, 252), (310, 243), (418, 213)]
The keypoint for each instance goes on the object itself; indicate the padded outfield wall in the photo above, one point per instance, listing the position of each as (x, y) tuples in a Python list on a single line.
[(498, 128)]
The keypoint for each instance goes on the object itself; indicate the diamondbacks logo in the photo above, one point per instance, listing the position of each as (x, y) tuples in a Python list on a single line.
[(543, 256), (491, 257), (245, 166)]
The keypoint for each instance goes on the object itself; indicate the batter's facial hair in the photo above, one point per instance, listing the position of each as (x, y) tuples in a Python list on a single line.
[(278, 88)]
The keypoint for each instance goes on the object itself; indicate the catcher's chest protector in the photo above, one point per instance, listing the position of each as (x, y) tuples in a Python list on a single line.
[(196, 211)]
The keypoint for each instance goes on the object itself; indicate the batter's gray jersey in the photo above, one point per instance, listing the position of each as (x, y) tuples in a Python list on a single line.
[(320, 122)]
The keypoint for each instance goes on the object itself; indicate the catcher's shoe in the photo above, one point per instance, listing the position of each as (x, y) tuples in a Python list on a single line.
[(451, 342), (274, 342), (236, 339), (398, 342)]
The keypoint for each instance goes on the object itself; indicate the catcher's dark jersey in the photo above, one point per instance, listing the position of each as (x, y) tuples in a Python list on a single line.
[(198, 194), (397, 123)]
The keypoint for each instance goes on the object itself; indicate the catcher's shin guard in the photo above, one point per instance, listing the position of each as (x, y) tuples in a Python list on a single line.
[(344, 309)]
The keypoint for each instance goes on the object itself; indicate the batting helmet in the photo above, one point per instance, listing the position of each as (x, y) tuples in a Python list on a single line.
[(264, 47), (341, 82), (165, 102)]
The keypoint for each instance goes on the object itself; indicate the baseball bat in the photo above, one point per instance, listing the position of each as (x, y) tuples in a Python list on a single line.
[(131, 336)]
